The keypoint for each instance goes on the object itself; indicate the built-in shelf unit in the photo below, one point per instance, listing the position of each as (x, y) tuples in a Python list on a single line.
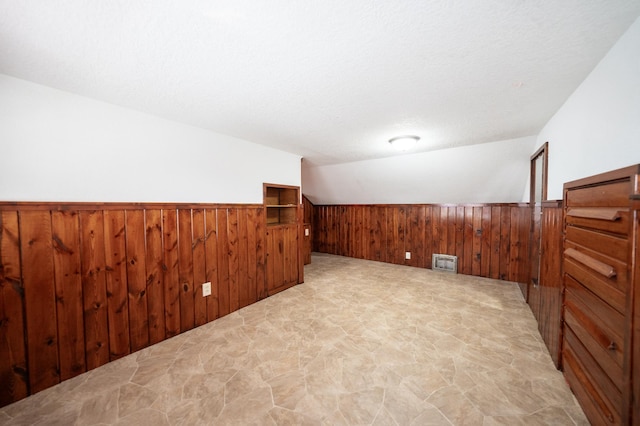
[(281, 203)]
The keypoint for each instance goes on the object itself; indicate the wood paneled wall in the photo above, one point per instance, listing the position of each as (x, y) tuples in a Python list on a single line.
[(82, 285), (548, 310), (307, 211), (489, 240)]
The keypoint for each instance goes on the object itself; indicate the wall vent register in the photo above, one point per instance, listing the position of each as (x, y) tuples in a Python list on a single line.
[(444, 262)]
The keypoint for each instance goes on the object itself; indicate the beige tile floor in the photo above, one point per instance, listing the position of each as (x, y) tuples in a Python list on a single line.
[(359, 343)]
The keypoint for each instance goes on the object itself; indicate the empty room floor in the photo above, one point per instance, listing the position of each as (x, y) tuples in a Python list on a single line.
[(359, 342)]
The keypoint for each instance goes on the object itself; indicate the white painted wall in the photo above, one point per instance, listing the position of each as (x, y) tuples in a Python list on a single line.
[(56, 146), (598, 127), (493, 172)]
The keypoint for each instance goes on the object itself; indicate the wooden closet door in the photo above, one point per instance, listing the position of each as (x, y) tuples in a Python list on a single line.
[(282, 257)]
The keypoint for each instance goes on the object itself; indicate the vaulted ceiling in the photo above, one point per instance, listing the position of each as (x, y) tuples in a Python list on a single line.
[(331, 80)]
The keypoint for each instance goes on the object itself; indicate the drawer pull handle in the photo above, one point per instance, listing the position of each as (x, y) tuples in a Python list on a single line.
[(603, 214), (600, 267), (612, 346)]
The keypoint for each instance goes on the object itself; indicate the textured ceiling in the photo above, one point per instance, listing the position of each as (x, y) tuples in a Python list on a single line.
[(330, 80)]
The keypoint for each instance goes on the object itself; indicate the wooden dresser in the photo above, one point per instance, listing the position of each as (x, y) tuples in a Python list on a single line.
[(600, 266)]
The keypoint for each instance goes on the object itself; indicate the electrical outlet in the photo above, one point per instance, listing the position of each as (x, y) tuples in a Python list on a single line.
[(407, 255), (206, 289), (306, 232)]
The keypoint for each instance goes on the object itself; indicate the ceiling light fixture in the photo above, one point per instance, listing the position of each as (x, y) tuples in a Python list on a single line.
[(404, 143)]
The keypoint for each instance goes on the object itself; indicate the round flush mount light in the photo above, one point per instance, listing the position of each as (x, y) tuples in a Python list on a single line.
[(403, 143)]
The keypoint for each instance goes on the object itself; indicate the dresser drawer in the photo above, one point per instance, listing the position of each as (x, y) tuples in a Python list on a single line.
[(597, 284), (612, 246), (609, 219), (610, 318), (614, 194), (603, 343), (611, 270), (598, 396)]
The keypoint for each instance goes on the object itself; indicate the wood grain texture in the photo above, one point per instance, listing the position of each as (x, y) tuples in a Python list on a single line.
[(137, 279), (171, 273), (13, 357), (489, 240), (260, 245), (116, 287), (98, 281), (223, 263), (154, 259), (211, 260), (40, 305), (199, 267), (600, 278), (185, 266), (244, 287), (95, 296), (65, 229), (233, 257), (550, 318)]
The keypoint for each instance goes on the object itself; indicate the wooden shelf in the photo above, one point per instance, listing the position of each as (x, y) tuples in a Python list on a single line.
[(281, 203)]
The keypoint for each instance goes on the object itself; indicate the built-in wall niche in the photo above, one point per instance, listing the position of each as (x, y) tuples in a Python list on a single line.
[(281, 203)]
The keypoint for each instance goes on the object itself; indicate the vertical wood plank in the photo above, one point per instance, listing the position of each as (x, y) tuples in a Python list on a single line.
[(332, 229), (185, 266), (343, 231), (460, 234), (271, 257), (496, 255), (357, 232), (276, 258), (320, 231), (293, 235), (467, 259), (199, 267), (65, 230), (155, 275), (379, 232), (287, 255), (367, 233), (551, 281), (443, 246), (505, 246), (244, 287), (260, 244), (95, 302), (13, 356), (284, 244), (476, 241), (524, 260), (428, 229), (514, 245), (451, 229), (400, 219), (415, 239), (211, 261), (136, 279), (391, 236), (38, 279), (171, 273), (233, 243), (435, 230), (223, 263), (252, 256), (520, 229), (485, 248), (116, 289)]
